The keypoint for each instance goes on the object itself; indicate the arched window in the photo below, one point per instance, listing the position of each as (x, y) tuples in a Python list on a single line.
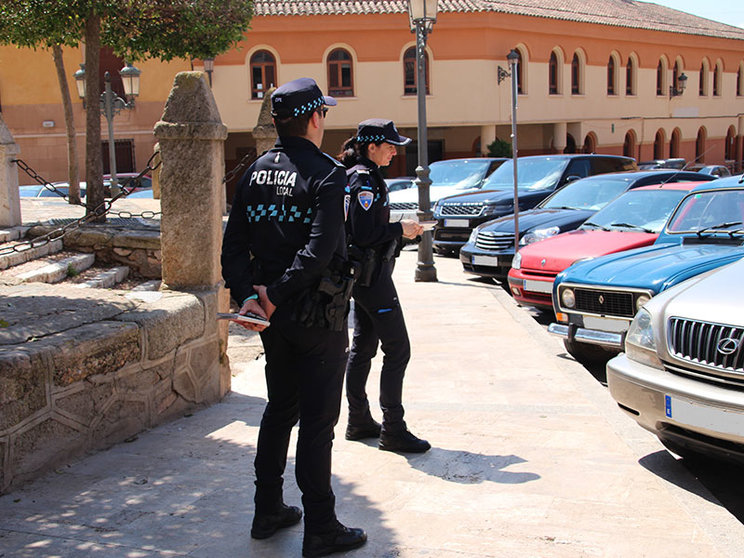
[(553, 74), (674, 143), (717, 80), (611, 88), (630, 77), (263, 73), (410, 72), (520, 72), (730, 149), (676, 72), (700, 146), (629, 145), (703, 77), (740, 80), (659, 145), (575, 75), (340, 74), (660, 78)]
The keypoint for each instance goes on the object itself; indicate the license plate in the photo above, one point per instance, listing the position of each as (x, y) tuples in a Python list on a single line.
[(605, 324), (710, 418), (485, 260), (456, 223), (538, 286)]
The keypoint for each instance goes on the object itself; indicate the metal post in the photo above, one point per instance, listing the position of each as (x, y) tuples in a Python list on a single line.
[(425, 270), (514, 84), (108, 111)]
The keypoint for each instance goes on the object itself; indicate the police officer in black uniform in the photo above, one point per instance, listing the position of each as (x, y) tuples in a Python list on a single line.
[(378, 317), (283, 258)]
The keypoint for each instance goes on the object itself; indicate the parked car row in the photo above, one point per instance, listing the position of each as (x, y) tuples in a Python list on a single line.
[(649, 263), (142, 186)]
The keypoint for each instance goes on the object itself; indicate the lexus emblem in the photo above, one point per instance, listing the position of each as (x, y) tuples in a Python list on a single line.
[(542, 263), (601, 299), (728, 345)]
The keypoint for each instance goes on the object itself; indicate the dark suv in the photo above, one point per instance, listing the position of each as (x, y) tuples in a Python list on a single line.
[(538, 177)]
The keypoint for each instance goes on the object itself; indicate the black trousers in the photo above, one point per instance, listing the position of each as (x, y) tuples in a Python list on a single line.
[(378, 319), (304, 376)]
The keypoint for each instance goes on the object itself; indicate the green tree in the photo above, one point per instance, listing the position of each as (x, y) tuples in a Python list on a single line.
[(499, 148), (134, 30)]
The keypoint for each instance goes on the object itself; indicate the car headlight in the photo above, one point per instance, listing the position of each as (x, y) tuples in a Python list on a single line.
[(641, 300), (568, 298), (436, 208), (497, 209), (538, 234), (517, 261), (473, 235), (640, 343)]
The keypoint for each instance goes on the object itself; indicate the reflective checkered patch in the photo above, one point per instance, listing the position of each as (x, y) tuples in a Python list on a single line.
[(365, 200)]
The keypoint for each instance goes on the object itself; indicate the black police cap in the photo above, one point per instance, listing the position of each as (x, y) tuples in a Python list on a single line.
[(298, 97), (377, 130)]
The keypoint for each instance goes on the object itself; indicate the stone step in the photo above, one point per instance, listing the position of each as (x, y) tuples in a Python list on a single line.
[(57, 271), (13, 233), (106, 279), (26, 254)]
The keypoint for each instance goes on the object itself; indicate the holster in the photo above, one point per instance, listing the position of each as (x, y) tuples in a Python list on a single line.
[(366, 261), (327, 305)]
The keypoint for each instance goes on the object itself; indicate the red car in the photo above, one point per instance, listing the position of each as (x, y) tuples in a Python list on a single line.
[(632, 220)]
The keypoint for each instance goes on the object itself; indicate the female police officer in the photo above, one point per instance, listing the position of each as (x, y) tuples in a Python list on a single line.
[(378, 317)]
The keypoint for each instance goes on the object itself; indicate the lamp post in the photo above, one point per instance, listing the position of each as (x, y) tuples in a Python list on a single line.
[(513, 59), (678, 88), (422, 16), (111, 105)]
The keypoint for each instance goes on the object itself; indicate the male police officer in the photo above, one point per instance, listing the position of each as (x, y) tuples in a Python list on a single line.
[(282, 258)]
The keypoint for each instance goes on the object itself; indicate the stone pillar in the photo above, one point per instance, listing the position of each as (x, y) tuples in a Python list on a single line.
[(10, 204), (559, 137), (192, 142), (488, 136), (265, 133)]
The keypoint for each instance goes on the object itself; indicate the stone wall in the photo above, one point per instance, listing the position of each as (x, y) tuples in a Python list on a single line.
[(82, 369)]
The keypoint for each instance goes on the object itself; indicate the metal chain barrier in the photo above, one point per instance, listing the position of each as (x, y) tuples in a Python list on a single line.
[(103, 208), (100, 210)]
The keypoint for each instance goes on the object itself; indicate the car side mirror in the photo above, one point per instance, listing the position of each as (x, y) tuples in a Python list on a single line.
[(571, 178)]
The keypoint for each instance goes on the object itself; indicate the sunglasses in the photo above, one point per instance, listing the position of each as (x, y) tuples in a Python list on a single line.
[(323, 111)]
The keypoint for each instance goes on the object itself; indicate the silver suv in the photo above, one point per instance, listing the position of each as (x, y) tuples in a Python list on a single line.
[(682, 373)]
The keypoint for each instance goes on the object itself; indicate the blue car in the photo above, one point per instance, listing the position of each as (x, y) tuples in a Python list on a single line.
[(596, 299)]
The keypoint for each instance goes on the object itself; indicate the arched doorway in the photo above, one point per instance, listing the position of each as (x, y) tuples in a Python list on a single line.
[(590, 143), (659, 145), (730, 149), (674, 143), (700, 145), (629, 145)]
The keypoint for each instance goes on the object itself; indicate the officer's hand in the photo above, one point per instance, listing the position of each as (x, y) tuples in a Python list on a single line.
[(411, 228), (252, 306), (263, 298)]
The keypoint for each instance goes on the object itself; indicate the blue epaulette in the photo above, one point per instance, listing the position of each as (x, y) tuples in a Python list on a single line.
[(335, 161)]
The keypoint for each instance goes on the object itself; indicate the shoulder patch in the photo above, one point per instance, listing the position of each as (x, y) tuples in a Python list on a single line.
[(365, 200)]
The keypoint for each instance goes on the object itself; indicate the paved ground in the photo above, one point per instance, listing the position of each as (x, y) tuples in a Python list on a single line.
[(530, 457)]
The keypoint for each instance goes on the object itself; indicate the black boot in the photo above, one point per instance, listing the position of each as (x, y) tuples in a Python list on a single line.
[(266, 524), (368, 429), (338, 539), (402, 441)]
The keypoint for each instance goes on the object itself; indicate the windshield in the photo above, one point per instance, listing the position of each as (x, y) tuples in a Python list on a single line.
[(588, 193), (708, 210), (532, 174), (460, 174), (637, 210)]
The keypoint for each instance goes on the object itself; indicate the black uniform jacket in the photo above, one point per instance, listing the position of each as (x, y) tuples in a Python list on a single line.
[(288, 215), (368, 222)]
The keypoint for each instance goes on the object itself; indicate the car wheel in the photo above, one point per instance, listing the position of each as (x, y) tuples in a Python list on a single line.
[(586, 354)]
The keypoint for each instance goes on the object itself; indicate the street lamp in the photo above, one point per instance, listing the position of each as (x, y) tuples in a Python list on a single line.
[(678, 88), (111, 105), (422, 16), (209, 68), (502, 74)]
